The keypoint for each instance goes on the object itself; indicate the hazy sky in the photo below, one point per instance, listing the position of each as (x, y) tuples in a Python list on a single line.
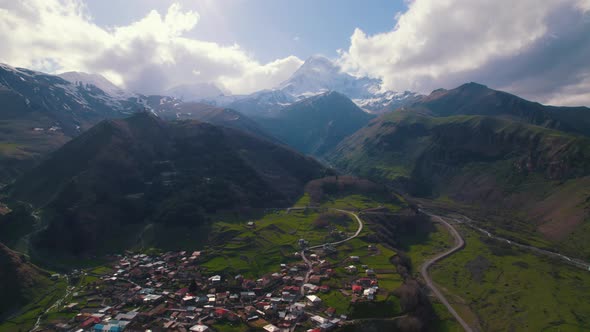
[(537, 49)]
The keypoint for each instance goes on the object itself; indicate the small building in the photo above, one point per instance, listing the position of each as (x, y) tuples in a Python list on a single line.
[(271, 328), (351, 269), (313, 300), (355, 258), (200, 328), (319, 320), (357, 288), (369, 293)]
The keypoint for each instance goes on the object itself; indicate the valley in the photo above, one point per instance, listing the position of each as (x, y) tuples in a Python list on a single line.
[(324, 204), (248, 289)]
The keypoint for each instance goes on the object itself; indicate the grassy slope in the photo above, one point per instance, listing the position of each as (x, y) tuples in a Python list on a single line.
[(483, 162), (276, 234), (26, 291), (513, 290), (43, 298)]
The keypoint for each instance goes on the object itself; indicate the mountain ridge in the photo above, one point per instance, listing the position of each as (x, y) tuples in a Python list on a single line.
[(316, 124), (125, 173)]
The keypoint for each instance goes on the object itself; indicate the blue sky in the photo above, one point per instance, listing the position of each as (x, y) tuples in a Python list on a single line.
[(268, 29)]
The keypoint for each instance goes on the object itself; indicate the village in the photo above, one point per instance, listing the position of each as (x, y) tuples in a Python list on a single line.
[(173, 292)]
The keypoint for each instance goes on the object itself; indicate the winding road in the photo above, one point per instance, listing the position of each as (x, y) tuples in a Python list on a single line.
[(459, 244), (308, 262)]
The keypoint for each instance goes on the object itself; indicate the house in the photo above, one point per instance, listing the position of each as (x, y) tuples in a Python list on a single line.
[(311, 288), (313, 300), (330, 311), (369, 293), (292, 289), (319, 320), (351, 269), (112, 326), (315, 279), (271, 328), (200, 328), (357, 288), (128, 316), (247, 295), (90, 322), (365, 282), (220, 312)]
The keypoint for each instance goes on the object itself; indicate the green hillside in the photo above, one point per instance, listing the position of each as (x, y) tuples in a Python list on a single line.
[(530, 173), (123, 175)]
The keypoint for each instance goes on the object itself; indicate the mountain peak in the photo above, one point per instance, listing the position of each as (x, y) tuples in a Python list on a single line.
[(473, 85), (317, 64), (98, 81), (197, 91), (319, 60), (319, 74)]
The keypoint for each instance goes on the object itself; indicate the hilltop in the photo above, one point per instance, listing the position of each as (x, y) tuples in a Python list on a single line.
[(124, 174), (489, 162), (477, 99)]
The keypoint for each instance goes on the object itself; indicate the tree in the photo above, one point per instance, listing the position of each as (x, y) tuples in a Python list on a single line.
[(192, 288)]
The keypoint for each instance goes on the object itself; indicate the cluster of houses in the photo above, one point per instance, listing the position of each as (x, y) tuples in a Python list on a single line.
[(172, 292)]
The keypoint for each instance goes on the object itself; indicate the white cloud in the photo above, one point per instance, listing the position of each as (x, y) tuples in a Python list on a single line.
[(148, 56), (443, 43)]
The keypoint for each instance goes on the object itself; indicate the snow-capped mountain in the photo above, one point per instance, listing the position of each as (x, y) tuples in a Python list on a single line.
[(99, 81), (263, 103), (197, 91), (317, 75), (72, 106), (41, 112)]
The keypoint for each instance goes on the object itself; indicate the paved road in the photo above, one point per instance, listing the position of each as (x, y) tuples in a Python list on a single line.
[(459, 244), (358, 231), (308, 262)]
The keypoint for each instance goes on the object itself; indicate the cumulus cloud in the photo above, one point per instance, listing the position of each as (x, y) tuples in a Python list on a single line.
[(147, 56), (538, 49)]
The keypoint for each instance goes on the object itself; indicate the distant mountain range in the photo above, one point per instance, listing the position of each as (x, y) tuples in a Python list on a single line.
[(317, 124), (317, 75), (41, 112), (196, 91)]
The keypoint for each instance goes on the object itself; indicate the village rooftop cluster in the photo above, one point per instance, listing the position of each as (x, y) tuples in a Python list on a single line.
[(172, 292)]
